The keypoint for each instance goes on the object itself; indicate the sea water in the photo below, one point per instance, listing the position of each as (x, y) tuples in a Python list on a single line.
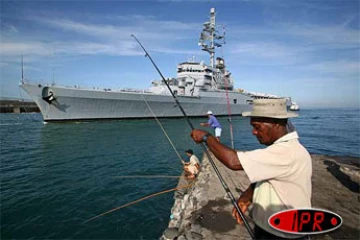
[(56, 176)]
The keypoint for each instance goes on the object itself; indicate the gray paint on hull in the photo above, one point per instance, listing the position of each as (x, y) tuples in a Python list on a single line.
[(81, 104)]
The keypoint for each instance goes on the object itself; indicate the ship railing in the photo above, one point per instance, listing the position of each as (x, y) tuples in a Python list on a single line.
[(101, 89)]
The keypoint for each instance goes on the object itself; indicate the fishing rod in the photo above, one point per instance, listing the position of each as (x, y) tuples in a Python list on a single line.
[(148, 176), (139, 200), (223, 183)]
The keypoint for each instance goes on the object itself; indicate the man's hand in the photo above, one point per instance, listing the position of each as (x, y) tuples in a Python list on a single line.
[(197, 135), (243, 205), (243, 202)]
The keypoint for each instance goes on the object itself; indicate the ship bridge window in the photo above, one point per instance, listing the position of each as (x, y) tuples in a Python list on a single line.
[(235, 101)]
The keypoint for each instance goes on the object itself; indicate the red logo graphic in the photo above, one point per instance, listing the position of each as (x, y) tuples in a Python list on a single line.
[(305, 221)]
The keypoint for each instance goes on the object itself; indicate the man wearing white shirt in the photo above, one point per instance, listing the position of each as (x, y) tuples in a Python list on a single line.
[(280, 173)]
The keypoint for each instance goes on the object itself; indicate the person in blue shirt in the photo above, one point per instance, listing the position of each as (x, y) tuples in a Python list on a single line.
[(214, 123)]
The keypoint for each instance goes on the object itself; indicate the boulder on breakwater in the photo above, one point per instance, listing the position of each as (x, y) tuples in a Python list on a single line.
[(203, 211)]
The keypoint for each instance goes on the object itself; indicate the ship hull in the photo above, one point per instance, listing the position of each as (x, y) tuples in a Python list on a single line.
[(73, 104)]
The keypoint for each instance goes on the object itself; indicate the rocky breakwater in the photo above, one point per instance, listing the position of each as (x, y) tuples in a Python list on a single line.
[(203, 210)]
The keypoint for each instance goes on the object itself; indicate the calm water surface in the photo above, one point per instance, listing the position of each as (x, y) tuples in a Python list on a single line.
[(55, 176)]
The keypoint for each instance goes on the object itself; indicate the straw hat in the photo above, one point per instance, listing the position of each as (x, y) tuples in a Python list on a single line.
[(270, 108)]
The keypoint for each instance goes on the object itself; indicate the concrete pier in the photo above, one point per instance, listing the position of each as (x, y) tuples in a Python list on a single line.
[(203, 211), (17, 106)]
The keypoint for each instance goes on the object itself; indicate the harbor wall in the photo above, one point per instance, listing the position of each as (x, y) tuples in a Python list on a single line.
[(17, 106), (203, 211)]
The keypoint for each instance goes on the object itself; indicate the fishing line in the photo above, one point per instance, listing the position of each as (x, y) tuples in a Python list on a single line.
[(23, 105), (177, 153), (228, 100), (22, 98), (139, 200), (229, 113), (230, 121), (147, 176), (225, 186)]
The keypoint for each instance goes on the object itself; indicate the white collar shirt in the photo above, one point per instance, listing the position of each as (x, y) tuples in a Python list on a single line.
[(282, 173)]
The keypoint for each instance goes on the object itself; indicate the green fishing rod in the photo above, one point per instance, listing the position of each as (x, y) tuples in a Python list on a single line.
[(223, 183)]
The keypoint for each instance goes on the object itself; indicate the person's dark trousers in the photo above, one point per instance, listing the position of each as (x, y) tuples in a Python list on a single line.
[(261, 234)]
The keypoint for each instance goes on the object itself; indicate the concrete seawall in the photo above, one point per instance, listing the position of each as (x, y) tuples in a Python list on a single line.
[(17, 106), (203, 211)]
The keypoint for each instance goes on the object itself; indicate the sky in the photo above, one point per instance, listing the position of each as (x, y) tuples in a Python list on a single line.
[(307, 50)]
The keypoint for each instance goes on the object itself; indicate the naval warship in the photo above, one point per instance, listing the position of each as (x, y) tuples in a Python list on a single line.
[(199, 87)]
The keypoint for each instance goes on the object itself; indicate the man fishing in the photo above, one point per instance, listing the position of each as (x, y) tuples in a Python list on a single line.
[(193, 166), (214, 123), (280, 174)]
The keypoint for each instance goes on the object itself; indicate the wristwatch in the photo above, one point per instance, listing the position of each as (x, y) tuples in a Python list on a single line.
[(205, 137)]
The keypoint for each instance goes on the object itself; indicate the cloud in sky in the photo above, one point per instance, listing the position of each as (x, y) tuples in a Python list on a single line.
[(316, 40), (340, 66), (103, 39), (8, 28)]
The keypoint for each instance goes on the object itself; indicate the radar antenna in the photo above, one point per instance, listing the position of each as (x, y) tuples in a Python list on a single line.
[(210, 39)]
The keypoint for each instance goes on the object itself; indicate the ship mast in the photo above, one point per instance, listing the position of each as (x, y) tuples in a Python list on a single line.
[(208, 42)]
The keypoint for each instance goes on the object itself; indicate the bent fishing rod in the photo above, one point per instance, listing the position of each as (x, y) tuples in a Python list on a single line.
[(223, 183)]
